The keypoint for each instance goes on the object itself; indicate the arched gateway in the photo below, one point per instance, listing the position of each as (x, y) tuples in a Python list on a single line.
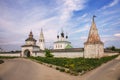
[(27, 53), (29, 47)]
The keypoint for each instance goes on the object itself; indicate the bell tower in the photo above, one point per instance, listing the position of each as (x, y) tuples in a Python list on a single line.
[(42, 41)]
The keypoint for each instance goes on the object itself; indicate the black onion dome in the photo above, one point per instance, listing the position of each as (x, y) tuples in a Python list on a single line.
[(66, 37), (62, 34), (57, 36), (30, 38)]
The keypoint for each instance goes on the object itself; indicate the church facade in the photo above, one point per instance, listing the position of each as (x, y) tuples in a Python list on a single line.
[(62, 42), (93, 47)]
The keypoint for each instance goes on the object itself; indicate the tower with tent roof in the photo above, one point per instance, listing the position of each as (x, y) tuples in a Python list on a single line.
[(93, 47)]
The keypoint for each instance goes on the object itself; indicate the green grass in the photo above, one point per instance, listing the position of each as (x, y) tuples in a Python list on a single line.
[(7, 57), (77, 65)]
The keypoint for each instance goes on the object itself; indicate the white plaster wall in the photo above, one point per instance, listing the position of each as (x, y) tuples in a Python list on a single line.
[(110, 54), (25, 48), (93, 50), (10, 54), (42, 54), (62, 54), (68, 54)]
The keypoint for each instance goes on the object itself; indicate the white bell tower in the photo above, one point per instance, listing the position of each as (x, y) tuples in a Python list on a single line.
[(42, 41)]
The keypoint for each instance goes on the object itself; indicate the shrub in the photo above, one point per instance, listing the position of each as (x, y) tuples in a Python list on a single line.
[(67, 71), (62, 69), (1, 61), (57, 68), (48, 53)]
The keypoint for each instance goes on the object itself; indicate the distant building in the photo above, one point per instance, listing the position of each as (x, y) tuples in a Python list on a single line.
[(62, 42), (94, 47)]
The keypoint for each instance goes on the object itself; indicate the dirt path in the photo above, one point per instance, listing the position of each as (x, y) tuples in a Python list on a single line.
[(25, 69)]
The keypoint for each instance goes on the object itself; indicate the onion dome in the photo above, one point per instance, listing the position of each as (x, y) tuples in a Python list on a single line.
[(62, 34), (66, 37), (58, 36), (30, 38)]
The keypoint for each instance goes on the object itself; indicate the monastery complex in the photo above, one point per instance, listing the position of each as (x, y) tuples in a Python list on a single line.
[(93, 47)]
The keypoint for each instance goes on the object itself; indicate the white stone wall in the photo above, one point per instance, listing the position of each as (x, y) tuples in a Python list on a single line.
[(68, 54), (93, 50), (42, 54), (61, 54), (10, 54), (110, 54), (25, 48)]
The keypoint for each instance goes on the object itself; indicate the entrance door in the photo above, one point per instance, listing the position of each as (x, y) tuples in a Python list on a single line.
[(27, 53)]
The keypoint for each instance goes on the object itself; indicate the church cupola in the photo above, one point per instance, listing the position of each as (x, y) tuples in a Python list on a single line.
[(30, 35), (62, 34), (66, 37), (30, 40), (57, 36)]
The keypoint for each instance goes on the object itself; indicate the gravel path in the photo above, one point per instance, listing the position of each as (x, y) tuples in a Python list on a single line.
[(25, 69)]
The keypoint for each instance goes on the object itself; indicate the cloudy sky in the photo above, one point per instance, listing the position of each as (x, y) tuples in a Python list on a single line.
[(19, 17)]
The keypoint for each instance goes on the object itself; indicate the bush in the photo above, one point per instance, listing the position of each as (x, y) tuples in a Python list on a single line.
[(48, 53), (1, 61), (57, 68), (62, 69)]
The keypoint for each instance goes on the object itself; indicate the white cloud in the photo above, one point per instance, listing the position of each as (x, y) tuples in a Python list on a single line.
[(69, 6), (85, 28), (111, 4), (117, 34)]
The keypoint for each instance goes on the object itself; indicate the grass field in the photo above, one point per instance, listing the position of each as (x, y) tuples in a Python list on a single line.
[(7, 57), (77, 65)]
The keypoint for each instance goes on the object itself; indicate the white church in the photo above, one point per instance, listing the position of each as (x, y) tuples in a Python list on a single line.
[(93, 47)]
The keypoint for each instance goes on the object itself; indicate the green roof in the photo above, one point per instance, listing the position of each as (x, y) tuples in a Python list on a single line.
[(68, 46)]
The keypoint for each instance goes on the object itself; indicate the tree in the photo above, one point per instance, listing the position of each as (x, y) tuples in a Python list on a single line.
[(113, 48), (48, 53)]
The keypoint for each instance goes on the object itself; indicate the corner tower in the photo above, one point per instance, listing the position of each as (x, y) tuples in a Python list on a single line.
[(93, 47), (42, 41)]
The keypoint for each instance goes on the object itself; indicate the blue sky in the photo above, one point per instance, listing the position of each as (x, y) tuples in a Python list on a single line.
[(19, 17)]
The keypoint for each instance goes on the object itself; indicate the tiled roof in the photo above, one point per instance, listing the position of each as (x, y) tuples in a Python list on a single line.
[(30, 46), (93, 35)]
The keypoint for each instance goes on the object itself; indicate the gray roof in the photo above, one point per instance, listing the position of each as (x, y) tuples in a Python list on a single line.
[(29, 46), (30, 39), (62, 42), (68, 50)]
